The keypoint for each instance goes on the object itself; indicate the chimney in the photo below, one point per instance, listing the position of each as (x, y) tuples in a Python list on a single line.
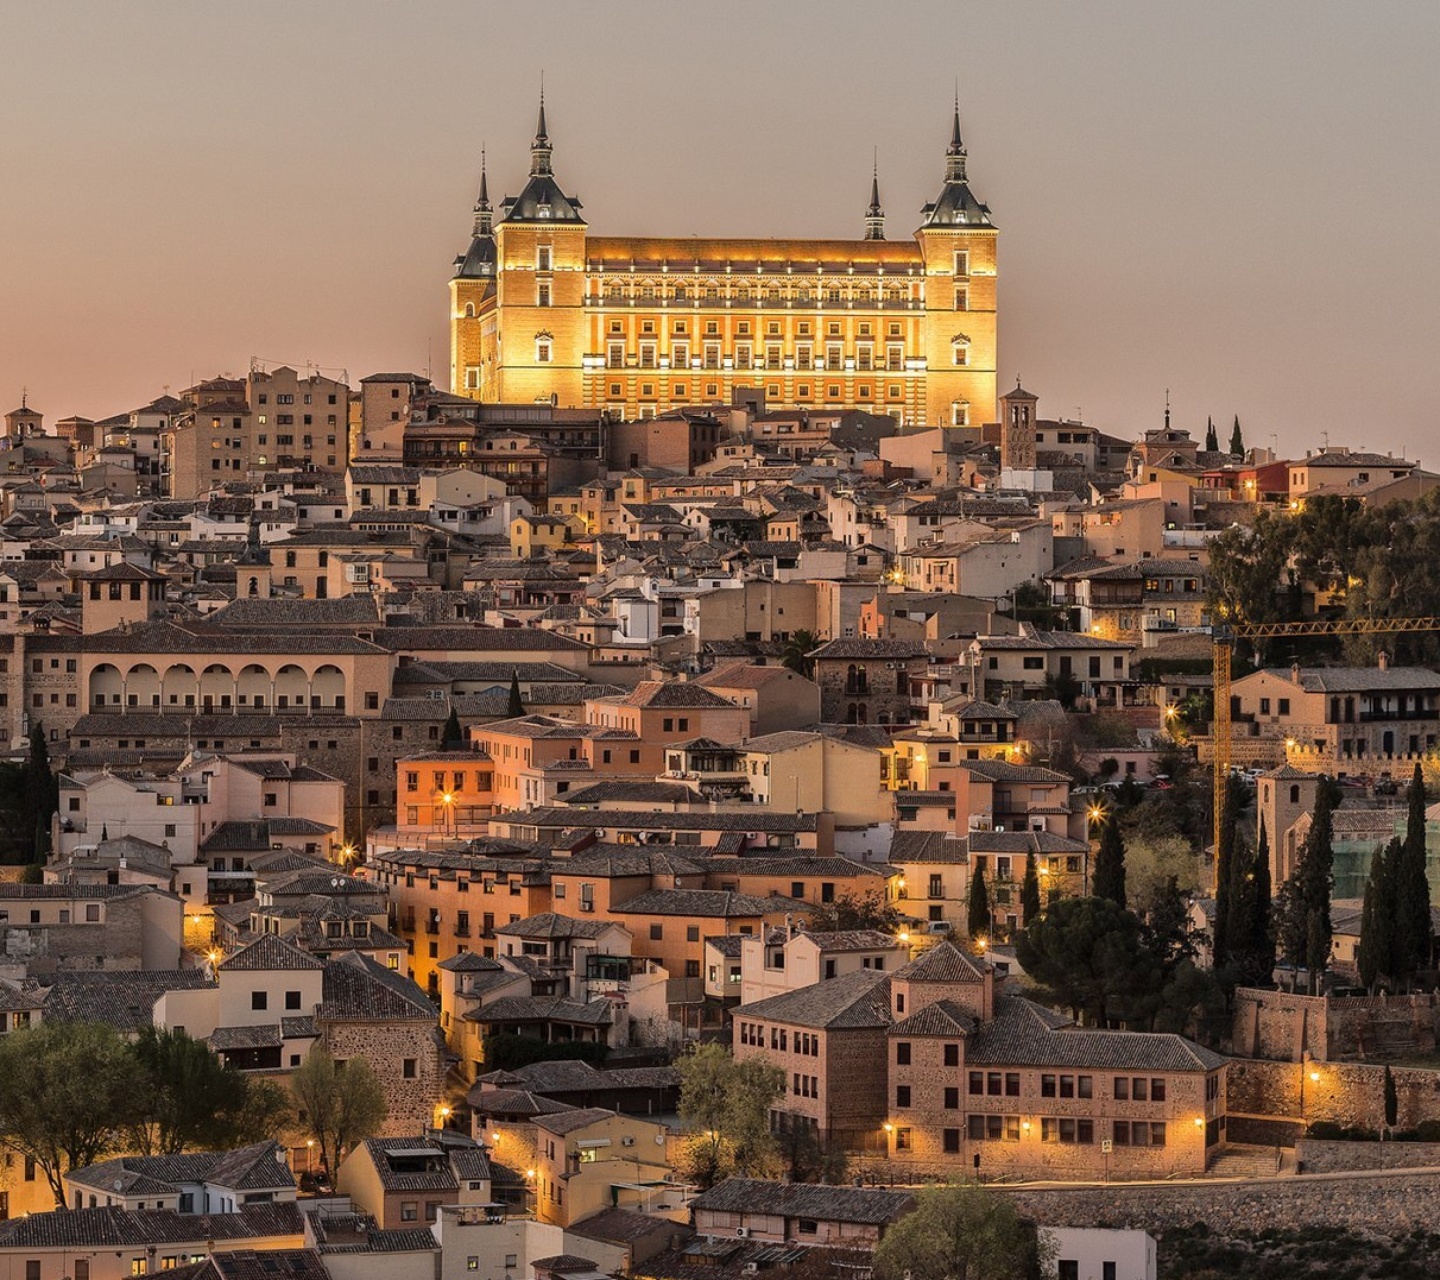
[(1295, 673), (1382, 660)]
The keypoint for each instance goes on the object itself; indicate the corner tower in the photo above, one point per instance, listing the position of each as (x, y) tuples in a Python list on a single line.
[(957, 239), (540, 287), (472, 302)]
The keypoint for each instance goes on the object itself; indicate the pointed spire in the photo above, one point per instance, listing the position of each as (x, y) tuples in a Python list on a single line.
[(875, 215), (955, 153), (540, 149), (1167, 408), (482, 202)]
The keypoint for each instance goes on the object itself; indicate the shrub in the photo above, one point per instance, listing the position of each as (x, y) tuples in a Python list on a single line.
[(1428, 1131)]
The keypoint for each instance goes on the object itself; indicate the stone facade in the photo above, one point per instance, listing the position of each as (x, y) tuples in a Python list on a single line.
[(1291, 1095), (391, 1048), (1289, 1027)]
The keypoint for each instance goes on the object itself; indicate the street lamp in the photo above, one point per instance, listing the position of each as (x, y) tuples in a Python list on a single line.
[(309, 1155)]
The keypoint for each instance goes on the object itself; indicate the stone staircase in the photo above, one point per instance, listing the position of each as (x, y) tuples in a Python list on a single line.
[(1237, 1161)]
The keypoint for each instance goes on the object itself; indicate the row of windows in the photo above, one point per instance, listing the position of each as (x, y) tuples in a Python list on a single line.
[(1065, 1130), (803, 391), (806, 1086), (744, 356), (286, 398)]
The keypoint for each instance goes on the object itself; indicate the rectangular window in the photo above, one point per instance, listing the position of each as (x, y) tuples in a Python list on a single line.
[(542, 293), (952, 1141), (962, 262), (902, 1095), (977, 1083), (952, 1055), (952, 1098), (902, 1053)]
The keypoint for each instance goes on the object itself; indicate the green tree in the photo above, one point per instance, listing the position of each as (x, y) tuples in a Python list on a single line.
[(1411, 890), (1231, 801), (186, 1099), (1375, 957), (1248, 570), (1109, 880), (339, 1106), (452, 736), (1030, 890), (1252, 947), (516, 705), (1212, 441), (796, 654), (68, 1094), (1392, 1098), (1151, 863), (962, 1233), (1087, 955), (1237, 441), (978, 918), (42, 790), (1304, 929), (726, 1106)]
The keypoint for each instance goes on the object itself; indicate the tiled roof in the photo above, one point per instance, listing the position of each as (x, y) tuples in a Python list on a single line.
[(518, 1104), (1024, 1034), (852, 1001), (944, 962), (856, 649), (619, 1226), (725, 820), (550, 924), (125, 1001), (716, 903), (357, 988), (942, 1018), (800, 865), (873, 1207), (112, 1227), (597, 1013), (270, 951), (437, 1177), (264, 1035), (562, 1122)]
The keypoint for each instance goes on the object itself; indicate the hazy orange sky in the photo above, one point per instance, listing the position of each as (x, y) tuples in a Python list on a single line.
[(1234, 200)]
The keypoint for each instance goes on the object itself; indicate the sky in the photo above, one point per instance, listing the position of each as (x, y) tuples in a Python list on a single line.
[(1234, 201)]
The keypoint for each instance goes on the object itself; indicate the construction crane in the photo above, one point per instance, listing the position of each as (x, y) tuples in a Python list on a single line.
[(1221, 721)]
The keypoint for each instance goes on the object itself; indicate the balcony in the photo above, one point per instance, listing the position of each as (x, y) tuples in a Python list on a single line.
[(432, 926)]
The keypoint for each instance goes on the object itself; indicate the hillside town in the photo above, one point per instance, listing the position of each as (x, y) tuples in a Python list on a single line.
[(715, 768)]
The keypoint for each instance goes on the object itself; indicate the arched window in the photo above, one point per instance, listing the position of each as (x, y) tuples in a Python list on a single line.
[(469, 311), (254, 586)]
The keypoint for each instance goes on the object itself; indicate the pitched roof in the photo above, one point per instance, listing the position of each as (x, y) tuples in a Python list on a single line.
[(112, 1227), (270, 951), (357, 988), (852, 1001), (944, 962), (1025, 1034)]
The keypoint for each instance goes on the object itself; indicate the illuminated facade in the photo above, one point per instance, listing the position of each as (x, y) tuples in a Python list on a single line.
[(540, 310)]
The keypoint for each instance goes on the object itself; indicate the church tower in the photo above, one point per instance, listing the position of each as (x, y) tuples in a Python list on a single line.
[(1017, 430), (957, 241)]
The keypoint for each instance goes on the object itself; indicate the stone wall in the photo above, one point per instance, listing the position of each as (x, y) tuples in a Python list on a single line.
[(387, 1046), (1285, 1027), (1316, 1156), (1386, 1203), (1344, 1093)]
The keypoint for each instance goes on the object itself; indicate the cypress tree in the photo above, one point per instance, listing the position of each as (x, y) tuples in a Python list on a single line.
[(1225, 866), (1314, 880), (1392, 1099), (1375, 957), (1410, 888), (517, 704), (452, 737), (1259, 940), (1030, 890), (1212, 441), (1110, 864), (979, 916), (1237, 442)]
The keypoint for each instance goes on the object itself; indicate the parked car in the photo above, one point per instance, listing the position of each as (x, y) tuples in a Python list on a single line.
[(1386, 787)]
